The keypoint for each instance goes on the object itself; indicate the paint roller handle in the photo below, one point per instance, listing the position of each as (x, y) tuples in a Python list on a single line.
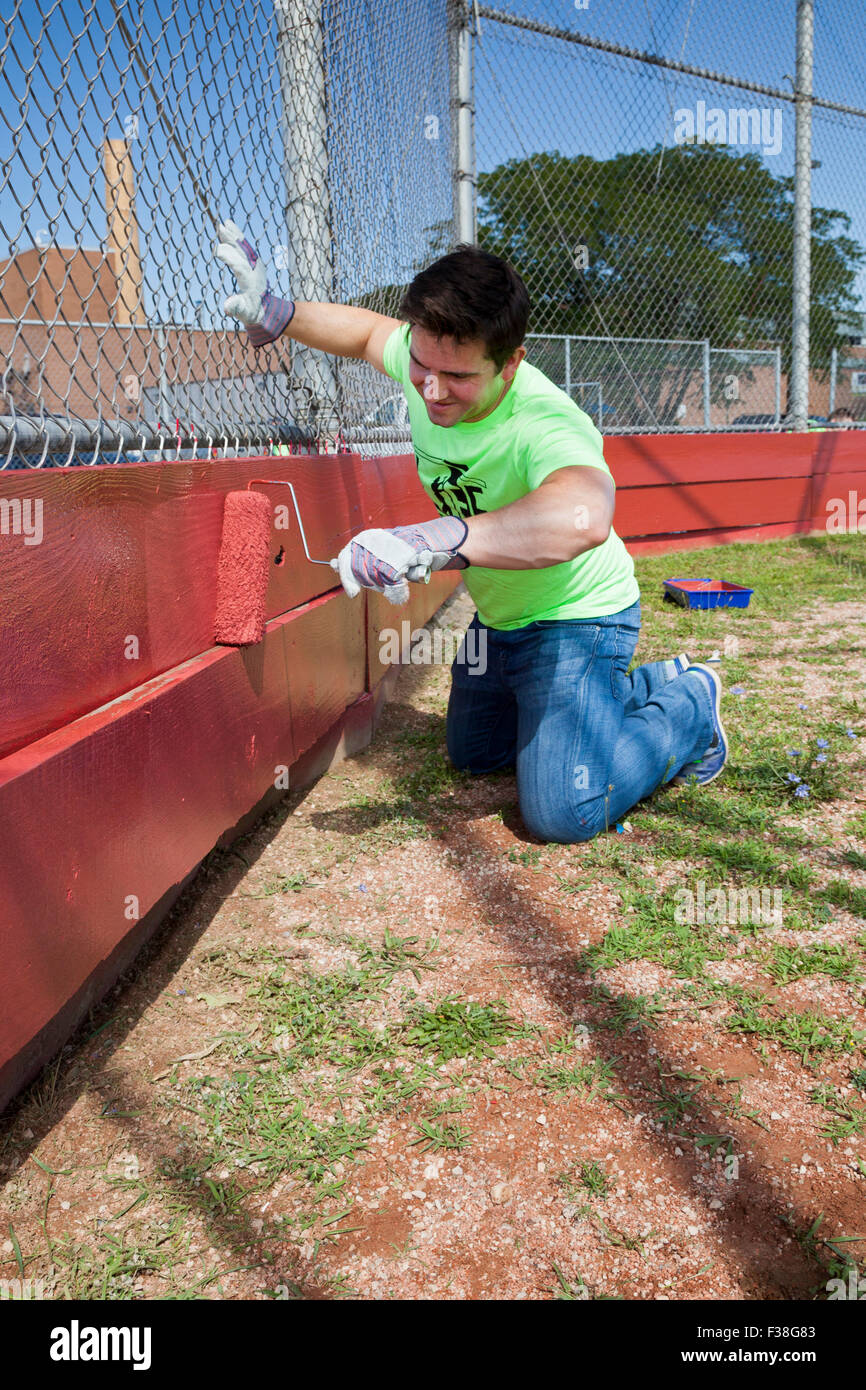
[(263, 313)]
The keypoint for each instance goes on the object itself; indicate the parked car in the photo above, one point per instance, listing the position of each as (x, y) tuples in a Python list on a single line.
[(393, 412), (765, 420)]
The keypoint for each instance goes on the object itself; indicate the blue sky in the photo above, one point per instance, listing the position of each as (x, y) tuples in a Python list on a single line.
[(389, 180)]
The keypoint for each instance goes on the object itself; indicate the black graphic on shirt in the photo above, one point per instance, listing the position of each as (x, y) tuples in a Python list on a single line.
[(455, 495)]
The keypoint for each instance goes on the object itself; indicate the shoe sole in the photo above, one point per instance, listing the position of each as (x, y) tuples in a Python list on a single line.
[(717, 712)]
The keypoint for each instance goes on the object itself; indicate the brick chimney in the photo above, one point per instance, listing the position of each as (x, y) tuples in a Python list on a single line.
[(123, 245)]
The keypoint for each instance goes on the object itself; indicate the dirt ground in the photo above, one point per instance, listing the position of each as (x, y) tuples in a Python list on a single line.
[(372, 1055)]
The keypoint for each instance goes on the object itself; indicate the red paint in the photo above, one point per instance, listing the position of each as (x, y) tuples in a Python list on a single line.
[(132, 551), (709, 506), (660, 459)]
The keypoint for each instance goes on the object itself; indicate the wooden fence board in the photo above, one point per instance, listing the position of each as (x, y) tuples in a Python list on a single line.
[(129, 556)]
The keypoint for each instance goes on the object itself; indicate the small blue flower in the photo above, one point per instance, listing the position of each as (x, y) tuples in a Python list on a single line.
[(802, 707), (362, 887), (822, 742), (802, 790), (792, 777), (821, 758), (850, 733), (793, 752)]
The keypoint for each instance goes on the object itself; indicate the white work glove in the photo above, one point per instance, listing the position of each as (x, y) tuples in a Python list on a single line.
[(385, 560), (263, 313)]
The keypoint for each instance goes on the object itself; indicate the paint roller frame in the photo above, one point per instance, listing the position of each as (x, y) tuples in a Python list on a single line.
[(283, 482)]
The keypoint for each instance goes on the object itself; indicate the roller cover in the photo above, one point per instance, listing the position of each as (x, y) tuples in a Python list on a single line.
[(242, 576)]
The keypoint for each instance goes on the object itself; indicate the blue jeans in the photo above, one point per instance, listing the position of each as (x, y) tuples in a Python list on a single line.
[(588, 740)]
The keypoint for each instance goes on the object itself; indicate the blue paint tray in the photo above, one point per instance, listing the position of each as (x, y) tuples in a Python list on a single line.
[(708, 593)]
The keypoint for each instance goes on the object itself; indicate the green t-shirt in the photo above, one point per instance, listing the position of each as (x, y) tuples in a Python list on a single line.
[(470, 468)]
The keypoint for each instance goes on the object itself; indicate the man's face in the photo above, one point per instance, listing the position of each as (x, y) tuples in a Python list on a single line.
[(457, 381)]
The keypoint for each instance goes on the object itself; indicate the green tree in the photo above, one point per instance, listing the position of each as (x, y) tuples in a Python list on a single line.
[(691, 242)]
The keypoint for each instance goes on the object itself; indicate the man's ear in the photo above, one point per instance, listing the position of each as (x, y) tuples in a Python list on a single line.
[(513, 363)]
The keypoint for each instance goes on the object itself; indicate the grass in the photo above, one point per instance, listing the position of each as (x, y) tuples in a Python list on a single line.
[(433, 1136), (847, 1119), (785, 963), (586, 1079), (651, 932), (597, 1183), (805, 1034)]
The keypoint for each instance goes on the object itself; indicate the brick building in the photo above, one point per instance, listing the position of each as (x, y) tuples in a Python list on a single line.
[(63, 350)]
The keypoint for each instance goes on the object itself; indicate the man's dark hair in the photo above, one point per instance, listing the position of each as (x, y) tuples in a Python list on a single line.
[(470, 294)]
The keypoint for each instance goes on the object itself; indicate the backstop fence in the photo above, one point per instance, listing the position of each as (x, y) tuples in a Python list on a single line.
[(653, 203)]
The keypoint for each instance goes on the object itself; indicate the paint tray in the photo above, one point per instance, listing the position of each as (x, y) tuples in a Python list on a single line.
[(707, 593)]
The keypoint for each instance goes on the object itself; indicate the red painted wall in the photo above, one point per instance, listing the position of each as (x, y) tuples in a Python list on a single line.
[(119, 774), (677, 492)]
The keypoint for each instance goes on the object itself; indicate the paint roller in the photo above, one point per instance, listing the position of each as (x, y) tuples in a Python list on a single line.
[(243, 567)]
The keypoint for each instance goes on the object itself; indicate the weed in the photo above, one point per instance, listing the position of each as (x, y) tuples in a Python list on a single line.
[(431, 1136), (787, 963), (454, 1028)]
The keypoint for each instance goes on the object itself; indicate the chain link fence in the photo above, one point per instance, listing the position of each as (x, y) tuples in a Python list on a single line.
[(629, 385), (129, 130), (644, 194)]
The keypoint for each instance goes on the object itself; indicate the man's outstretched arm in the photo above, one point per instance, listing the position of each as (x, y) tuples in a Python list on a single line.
[(343, 330), (567, 514)]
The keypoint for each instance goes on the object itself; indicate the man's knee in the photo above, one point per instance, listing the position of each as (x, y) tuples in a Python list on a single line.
[(477, 767), (562, 825)]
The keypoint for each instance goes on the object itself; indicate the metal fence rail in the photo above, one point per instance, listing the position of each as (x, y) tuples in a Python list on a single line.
[(630, 385), (646, 195)]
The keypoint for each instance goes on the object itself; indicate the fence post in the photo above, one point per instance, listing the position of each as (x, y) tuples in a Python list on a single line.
[(163, 382), (798, 388), (460, 54), (778, 401), (567, 365), (309, 234), (706, 356), (834, 368)]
